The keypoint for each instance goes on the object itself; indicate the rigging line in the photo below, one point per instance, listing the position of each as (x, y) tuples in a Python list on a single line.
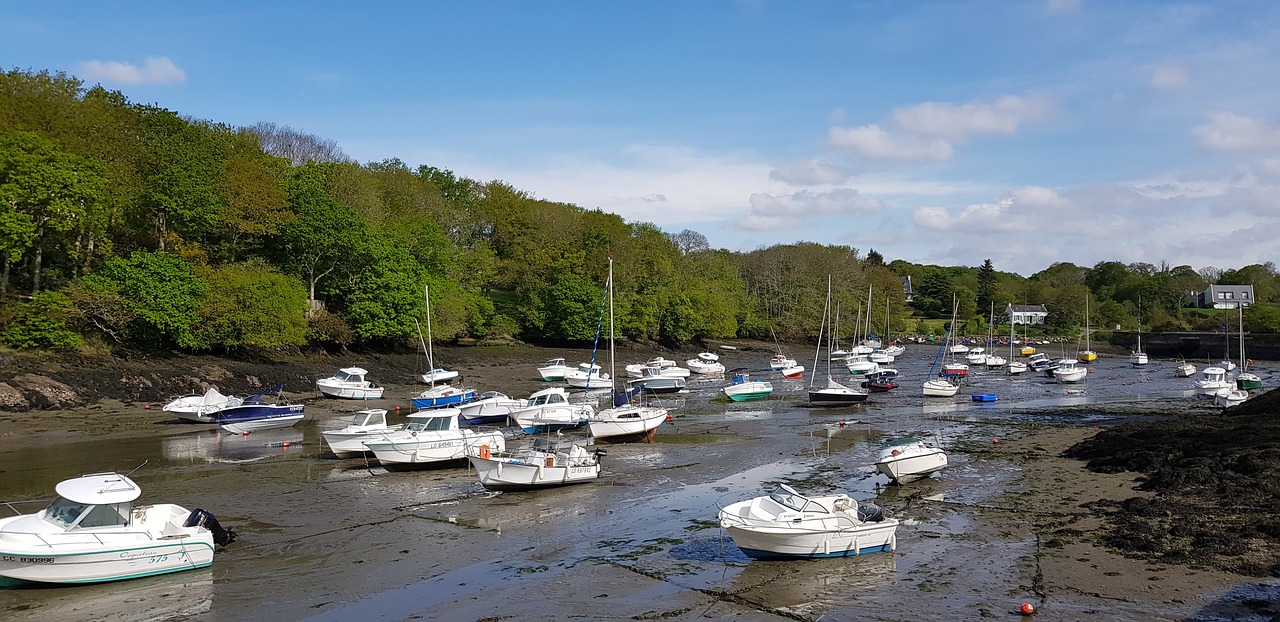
[(599, 325)]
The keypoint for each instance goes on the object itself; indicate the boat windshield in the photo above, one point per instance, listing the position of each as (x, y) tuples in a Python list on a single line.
[(431, 424), (788, 497), (64, 512)]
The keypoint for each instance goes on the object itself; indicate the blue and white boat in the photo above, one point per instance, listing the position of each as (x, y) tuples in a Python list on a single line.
[(788, 525), (442, 396), (254, 413), (549, 410)]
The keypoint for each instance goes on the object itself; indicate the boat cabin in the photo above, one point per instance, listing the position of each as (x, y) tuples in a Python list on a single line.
[(554, 395), (350, 374), (96, 500), (374, 417), (442, 420)]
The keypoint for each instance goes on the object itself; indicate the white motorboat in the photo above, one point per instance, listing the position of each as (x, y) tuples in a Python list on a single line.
[(92, 533), (1212, 379), (910, 459), (780, 362), (489, 407), (349, 383), (742, 388), (439, 375), (549, 410), (1138, 358), (655, 382), (553, 369), (1184, 370), (431, 437), (976, 355), (1070, 371), (707, 364), (586, 376), (364, 425), (544, 465), (254, 413), (860, 364), (1229, 397), (958, 348), (788, 525), (201, 408)]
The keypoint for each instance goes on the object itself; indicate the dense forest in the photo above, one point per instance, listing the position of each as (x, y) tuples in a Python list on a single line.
[(124, 224)]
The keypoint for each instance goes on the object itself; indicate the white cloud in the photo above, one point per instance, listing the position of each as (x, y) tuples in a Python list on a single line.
[(1233, 133), (872, 141), (1169, 77), (1062, 6), (799, 205), (1268, 170), (156, 70), (956, 122), (808, 173)]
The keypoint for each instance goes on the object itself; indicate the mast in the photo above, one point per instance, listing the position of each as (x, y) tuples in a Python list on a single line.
[(613, 375), (826, 314)]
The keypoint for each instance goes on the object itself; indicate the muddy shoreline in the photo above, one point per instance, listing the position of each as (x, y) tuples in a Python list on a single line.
[(1012, 520)]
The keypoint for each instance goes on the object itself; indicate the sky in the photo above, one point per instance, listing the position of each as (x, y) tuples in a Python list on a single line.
[(1025, 132)]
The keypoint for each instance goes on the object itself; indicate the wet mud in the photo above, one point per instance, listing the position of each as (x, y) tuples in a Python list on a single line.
[(1011, 520)]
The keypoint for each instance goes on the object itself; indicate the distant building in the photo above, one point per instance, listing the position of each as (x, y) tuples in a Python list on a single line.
[(906, 287), (1225, 297), (1026, 314)]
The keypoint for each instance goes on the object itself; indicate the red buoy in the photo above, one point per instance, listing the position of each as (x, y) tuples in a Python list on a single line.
[(1027, 609)]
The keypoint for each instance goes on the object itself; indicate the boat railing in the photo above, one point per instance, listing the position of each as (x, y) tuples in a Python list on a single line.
[(17, 512)]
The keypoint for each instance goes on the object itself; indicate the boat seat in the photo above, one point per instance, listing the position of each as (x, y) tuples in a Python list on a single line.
[(172, 530)]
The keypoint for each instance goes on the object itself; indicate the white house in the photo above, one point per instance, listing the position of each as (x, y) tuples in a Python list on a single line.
[(1026, 314)]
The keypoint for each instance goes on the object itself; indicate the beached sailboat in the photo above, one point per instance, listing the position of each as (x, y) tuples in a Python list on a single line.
[(434, 374), (443, 394), (832, 393), (1245, 380), (942, 386), (1138, 357), (624, 421), (1087, 355)]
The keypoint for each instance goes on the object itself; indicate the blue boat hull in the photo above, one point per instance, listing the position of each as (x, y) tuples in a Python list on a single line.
[(759, 554), (424, 403), (256, 412)]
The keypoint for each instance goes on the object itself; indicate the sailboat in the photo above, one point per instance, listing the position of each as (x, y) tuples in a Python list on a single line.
[(1138, 357), (993, 359), (1087, 355), (1015, 367), (624, 421), (942, 386), (834, 393), (1245, 380), (438, 395)]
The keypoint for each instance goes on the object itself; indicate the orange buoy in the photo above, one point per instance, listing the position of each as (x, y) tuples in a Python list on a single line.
[(1027, 609), (146, 407), (484, 452), (286, 443), (245, 433), (994, 441)]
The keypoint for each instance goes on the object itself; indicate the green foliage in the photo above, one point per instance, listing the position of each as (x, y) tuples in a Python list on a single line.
[(1262, 318), (325, 327), (572, 307), (386, 295), (46, 321), (251, 305), (162, 293)]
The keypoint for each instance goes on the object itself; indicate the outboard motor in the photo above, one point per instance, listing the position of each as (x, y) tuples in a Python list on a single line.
[(201, 518), (870, 512)]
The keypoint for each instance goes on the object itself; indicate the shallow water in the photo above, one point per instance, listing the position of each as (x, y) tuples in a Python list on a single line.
[(344, 539)]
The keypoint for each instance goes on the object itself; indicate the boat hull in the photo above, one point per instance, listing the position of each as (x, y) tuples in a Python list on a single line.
[(103, 555), (940, 389), (350, 393), (910, 467), (783, 543), (626, 424), (432, 450), (1248, 382), (837, 397), (513, 474), (251, 418), (750, 391)]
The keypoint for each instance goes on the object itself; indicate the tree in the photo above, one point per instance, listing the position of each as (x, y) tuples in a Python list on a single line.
[(322, 235), (251, 304), (689, 242), (48, 190), (986, 284), (43, 322), (161, 292), (295, 146)]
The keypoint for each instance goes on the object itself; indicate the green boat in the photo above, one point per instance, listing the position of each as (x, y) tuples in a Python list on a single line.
[(743, 389)]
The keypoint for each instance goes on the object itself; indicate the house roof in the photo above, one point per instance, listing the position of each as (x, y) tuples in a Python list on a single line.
[(1028, 309)]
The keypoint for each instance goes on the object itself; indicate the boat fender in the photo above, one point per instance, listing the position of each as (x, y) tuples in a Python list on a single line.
[(203, 518), (870, 512)]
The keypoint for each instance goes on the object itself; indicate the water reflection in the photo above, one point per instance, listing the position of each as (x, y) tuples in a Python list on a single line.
[(218, 446), (812, 588), (180, 595)]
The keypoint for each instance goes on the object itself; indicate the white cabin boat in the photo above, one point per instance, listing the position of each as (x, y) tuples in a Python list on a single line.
[(348, 441), (788, 525), (92, 533), (549, 410), (431, 437), (707, 364), (586, 376), (1070, 371), (554, 369), (1212, 379), (350, 384), (911, 459), (544, 465)]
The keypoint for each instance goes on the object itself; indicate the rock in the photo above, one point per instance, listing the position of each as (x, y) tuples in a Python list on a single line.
[(45, 392), (12, 399)]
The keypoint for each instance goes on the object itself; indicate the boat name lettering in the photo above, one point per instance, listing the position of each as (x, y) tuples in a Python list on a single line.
[(28, 560), (137, 554)]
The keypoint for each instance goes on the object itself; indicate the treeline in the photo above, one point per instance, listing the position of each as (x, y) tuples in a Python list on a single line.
[(124, 223)]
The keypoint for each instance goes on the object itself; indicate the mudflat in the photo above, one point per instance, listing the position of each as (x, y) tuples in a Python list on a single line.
[(1011, 520)]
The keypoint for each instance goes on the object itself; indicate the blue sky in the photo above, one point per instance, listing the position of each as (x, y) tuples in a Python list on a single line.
[(935, 132)]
